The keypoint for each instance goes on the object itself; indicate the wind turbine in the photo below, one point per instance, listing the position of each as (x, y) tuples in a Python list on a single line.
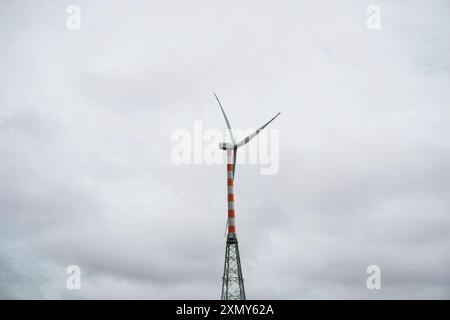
[(233, 282)]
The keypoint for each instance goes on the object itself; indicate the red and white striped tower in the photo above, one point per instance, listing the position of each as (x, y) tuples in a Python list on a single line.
[(230, 187)]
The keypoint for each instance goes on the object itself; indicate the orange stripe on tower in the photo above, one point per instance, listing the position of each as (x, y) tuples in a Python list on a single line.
[(230, 182), (230, 197), (231, 213), (229, 167), (231, 229)]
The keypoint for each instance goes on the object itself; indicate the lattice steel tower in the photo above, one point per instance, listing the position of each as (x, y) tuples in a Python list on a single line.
[(233, 282)]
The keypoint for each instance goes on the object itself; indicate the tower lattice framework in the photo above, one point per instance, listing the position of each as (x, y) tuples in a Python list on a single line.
[(233, 282)]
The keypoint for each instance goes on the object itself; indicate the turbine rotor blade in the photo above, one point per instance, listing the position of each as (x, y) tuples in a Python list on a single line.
[(254, 134), (226, 228), (226, 119), (234, 159)]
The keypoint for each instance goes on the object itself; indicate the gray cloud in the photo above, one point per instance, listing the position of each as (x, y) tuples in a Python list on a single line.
[(86, 176)]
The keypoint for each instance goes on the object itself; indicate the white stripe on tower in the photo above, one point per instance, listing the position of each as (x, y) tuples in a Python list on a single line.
[(230, 182)]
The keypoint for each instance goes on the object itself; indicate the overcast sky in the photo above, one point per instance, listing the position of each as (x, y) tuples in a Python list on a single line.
[(87, 177)]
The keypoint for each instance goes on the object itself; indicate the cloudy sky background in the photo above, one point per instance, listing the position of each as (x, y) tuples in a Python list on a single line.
[(86, 175)]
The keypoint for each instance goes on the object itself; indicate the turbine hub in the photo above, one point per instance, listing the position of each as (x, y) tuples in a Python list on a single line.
[(225, 146)]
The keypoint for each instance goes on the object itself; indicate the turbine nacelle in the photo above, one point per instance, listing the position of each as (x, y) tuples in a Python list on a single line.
[(225, 146)]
